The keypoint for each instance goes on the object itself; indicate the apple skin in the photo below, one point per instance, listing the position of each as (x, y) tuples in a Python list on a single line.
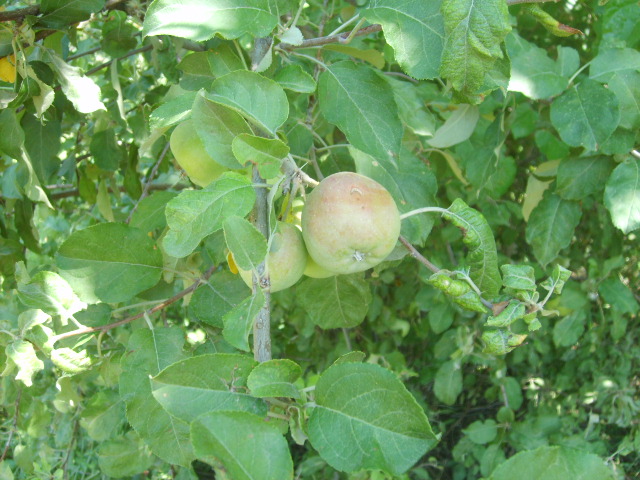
[(350, 223), (189, 152), (286, 260), (314, 270)]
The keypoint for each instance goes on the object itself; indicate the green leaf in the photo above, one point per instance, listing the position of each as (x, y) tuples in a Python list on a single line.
[(372, 56), (81, 91), (247, 447), (217, 297), (206, 383), (43, 146), (267, 154), (458, 290), (415, 30), (149, 215), (518, 277), (118, 35), (294, 78), (411, 108), (103, 415), (238, 322), (556, 281), (580, 177), (361, 104), (448, 382), (148, 352), (608, 62), (482, 257), (59, 14), (411, 184), (109, 262), (365, 418), (501, 341), (124, 457), (551, 225), (533, 73), (202, 19), (586, 115), (275, 378), (22, 355), (568, 331), (173, 111), (70, 361), (259, 99), (622, 195), (626, 86), (50, 293), (553, 463), (457, 128), (513, 311), (11, 134), (473, 34), (618, 295), (106, 152), (481, 433), (246, 243), (339, 301), (217, 126), (195, 214)]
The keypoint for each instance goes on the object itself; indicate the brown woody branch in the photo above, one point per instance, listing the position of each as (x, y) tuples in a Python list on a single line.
[(124, 321), (338, 38), (21, 13)]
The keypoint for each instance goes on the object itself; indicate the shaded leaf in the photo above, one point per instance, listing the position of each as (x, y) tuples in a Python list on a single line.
[(622, 195), (238, 322), (448, 382), (217, 297), (580, 177)]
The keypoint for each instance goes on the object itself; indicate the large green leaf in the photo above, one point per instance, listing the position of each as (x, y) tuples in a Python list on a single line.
[(50, 293), (148, 352), (125, 456), (448, 382), (259, 99), (553, 463), (365, 418), (62, 13), (474, 32), (43, 145), (415, 30), (238, 322), (11, 134), (610, 61), (248, 447), (626, 86), (195, 214), (246, 243), (217, 126), (353, 97), (217, 297), (339, 301), (109, 262), (483, 256), (206, 383), (275, 378), (533, 72), (457, 128), (622, 195), (551, 226), (202, 19), (586, 115), (580, 177)]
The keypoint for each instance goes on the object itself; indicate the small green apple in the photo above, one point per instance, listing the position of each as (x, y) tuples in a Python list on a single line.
[(286, 260), (189, 152)]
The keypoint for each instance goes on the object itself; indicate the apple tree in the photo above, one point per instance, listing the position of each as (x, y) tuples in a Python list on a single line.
[(319, 239)]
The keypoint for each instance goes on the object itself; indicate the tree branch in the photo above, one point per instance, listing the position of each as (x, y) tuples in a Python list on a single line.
[(417, 255), (163, 305), (517, 2), (146, 48), (262, 323), (19, 14), (317, 42)]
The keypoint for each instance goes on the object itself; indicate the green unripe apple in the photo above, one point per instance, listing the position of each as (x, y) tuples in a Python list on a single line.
[(189, 152), (286, 260), (349, 223)]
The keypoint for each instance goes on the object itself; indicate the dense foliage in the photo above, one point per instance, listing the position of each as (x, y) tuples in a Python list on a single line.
[(151, 150)]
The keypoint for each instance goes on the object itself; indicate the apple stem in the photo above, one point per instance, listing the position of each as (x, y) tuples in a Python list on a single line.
[(423, 210)]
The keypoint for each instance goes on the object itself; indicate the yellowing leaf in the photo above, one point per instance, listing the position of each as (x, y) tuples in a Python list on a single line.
[(8, 69)]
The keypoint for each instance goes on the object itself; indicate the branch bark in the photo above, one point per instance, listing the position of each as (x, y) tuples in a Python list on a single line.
[(21, 13), (124, 321), (339, 38)]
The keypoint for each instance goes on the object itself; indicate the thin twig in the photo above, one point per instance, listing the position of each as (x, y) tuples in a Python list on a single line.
[(517, 2), (14, 425), (317, 42), (75, 192), (165, 304), (147, 185), (146, 48), (82, 54), (417, 255)]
